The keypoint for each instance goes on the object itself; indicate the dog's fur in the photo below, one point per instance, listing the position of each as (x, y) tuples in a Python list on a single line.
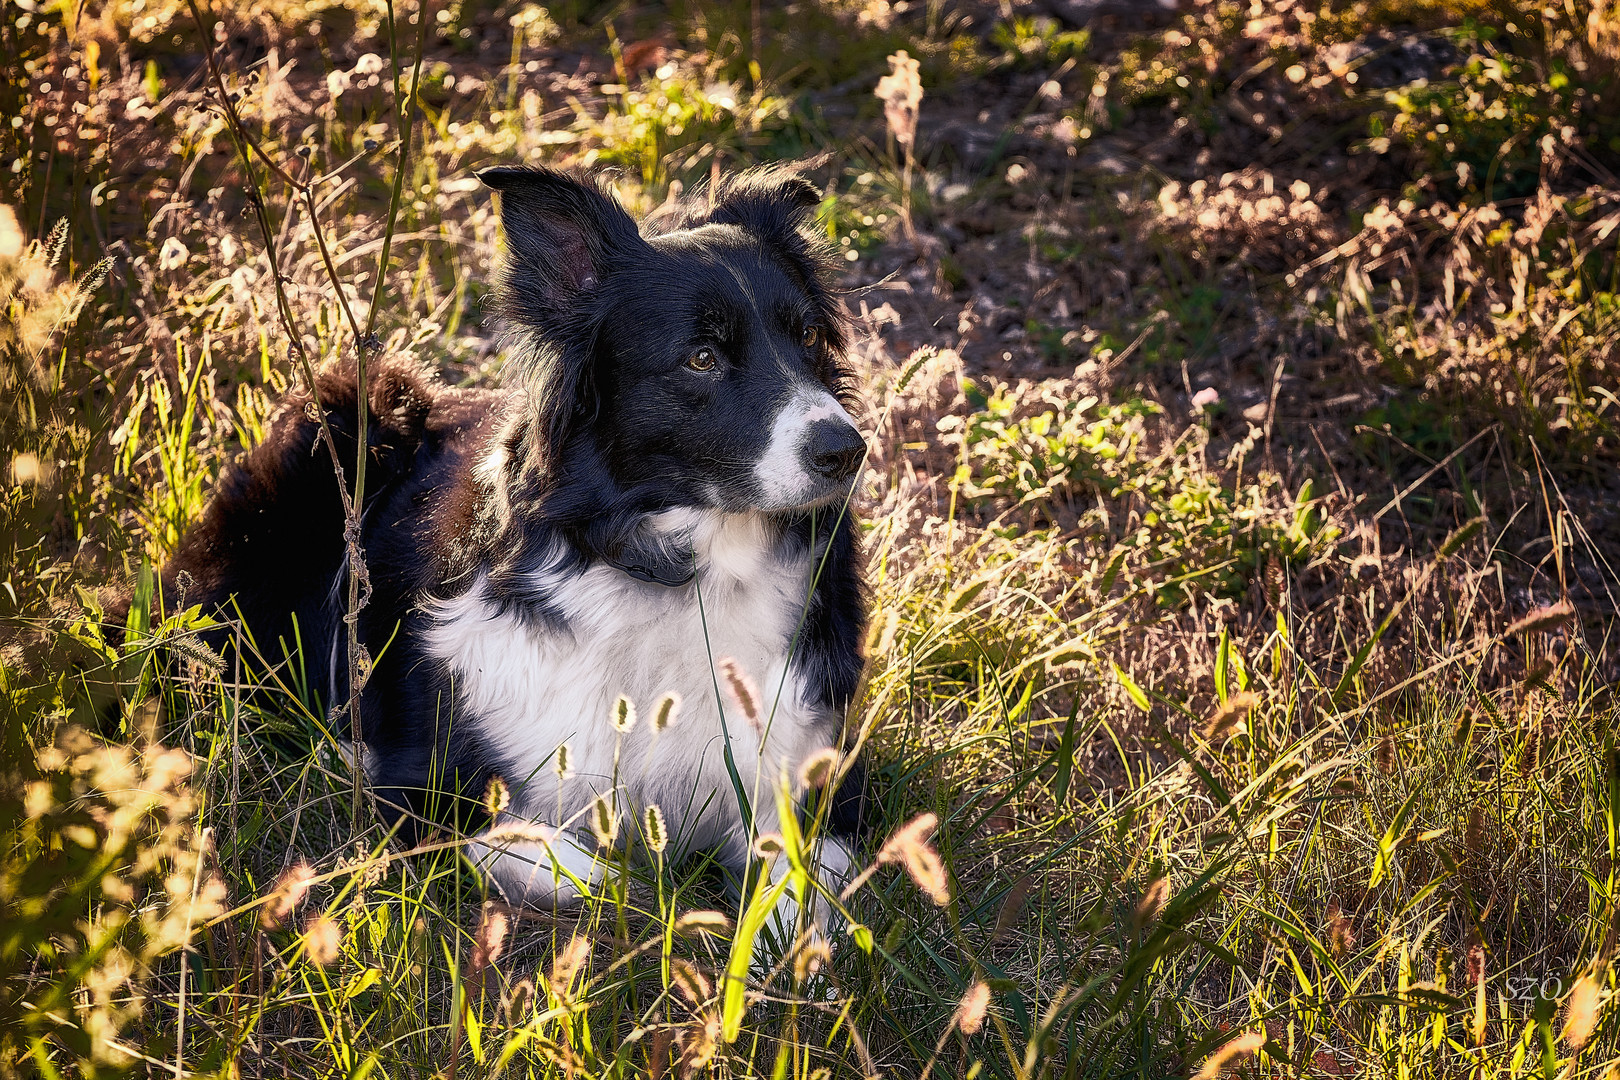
[(666, 489)]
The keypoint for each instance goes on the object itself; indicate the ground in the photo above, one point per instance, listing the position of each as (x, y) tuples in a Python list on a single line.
[(1241, 519)]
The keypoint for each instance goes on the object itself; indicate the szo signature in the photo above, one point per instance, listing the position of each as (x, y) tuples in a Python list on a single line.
[(1529, 988)]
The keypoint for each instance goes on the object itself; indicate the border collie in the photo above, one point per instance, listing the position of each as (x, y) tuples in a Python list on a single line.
[(657, 509)]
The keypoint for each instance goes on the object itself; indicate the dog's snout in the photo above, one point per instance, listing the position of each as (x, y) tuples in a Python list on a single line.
[(834, 449)]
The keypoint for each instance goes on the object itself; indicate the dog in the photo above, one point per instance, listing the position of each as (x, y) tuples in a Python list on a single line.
[(657, 512)]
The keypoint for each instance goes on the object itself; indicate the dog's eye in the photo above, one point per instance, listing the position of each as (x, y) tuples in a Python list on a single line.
[(702, 360), (811, 337)]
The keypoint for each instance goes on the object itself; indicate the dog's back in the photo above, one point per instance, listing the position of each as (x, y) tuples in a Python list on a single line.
[(271, 546)]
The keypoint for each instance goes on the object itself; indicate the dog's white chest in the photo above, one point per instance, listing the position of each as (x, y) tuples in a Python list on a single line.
[(528, 691)]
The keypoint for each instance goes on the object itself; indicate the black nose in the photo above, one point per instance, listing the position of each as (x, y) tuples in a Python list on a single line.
[(834, 449)]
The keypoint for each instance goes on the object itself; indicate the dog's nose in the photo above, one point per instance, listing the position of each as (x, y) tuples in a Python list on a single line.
[(834, 449)]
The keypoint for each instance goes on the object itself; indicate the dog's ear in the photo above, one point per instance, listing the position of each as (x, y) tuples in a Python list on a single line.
[(562, 233), (777, 205)]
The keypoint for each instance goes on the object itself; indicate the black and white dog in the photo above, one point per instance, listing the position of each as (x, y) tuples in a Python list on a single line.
[(663, 500)]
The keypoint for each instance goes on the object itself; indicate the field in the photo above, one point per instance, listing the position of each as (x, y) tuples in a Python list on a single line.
[(1241, 511)]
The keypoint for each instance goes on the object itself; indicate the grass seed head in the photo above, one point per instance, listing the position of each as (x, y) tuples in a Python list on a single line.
[(706, 922), (655, 833), (910, 848), (1581, 1012), (1244, 1046), (604, 821), (667, 711), (496, 796), (568, 963), (285, 897), (1474, 832), (1538, 673), (489, 939), (808, 958), (769, 845), (818, 769), (1476, 964), (692, 983), (740, 688), (563, 762), (1341, 932), (1153, 900), (517, 1005), (1229, 719), (970, 1011), (1530, 752), (323, 938), (1549, 617), (623, 715)]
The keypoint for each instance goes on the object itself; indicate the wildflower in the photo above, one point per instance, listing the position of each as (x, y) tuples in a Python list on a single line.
[(489, 939), (322, 939), (1581, 1012), (666, 711), (1231, 1053), (909, 846), (901, 93), (173, 254), (657, 836), (1228, 720), (623, 715), (1543, 618), (971, 1009), (741, 689), (288, 892)]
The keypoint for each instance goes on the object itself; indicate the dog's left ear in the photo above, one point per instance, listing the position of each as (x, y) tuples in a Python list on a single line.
[(778, 206)]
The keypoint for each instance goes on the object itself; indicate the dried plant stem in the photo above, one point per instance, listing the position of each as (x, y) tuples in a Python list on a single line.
[(359, 580)]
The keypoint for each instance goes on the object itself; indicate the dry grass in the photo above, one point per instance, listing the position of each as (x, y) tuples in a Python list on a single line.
[(1226, 434)]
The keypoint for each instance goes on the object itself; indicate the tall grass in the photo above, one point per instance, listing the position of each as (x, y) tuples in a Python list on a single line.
[(1186, 758)]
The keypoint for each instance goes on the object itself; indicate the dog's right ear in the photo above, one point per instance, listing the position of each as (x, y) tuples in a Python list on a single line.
[(562, 234)]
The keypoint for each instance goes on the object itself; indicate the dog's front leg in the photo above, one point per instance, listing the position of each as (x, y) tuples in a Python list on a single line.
[(552, 873), (830, 861)]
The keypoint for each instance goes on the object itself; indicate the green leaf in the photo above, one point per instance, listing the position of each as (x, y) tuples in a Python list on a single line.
[(1391, 839), (734, 1002), (1135, 692)]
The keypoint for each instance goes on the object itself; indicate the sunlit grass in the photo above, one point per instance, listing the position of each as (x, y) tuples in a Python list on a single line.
[(1214, 777)]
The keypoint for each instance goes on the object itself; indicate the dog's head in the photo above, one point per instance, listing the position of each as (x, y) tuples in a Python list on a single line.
[(696, 368)]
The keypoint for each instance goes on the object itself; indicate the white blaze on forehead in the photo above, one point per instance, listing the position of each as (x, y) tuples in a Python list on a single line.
[(781, 475)]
